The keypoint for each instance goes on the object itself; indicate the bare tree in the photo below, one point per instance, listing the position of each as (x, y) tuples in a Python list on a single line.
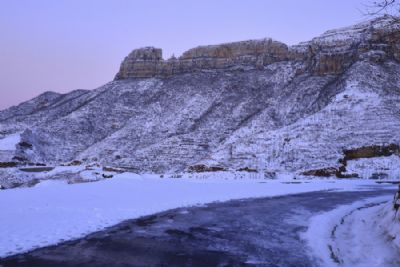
[(379, 7)]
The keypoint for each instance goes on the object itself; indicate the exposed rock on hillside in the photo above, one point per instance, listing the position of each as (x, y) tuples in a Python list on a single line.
[(147, 62), (330, 53), (235, 106)]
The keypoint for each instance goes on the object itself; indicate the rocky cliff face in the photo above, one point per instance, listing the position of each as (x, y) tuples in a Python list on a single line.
[(235, 106), (330, 53), (253, 54)]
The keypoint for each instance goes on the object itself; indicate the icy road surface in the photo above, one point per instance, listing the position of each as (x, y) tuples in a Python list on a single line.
[(252, 232)]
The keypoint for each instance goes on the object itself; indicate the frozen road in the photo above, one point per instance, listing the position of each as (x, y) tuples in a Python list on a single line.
[(252, 232)]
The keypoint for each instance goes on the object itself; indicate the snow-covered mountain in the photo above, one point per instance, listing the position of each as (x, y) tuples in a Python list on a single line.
[(232, 106)]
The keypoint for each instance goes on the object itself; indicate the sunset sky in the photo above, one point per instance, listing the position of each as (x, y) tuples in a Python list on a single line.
[(62, 45)]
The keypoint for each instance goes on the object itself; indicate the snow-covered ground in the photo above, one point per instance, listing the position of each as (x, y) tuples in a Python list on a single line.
[(363, 234), (53, 211)]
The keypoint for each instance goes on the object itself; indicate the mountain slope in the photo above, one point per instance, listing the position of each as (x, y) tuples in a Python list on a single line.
[(233, 105)]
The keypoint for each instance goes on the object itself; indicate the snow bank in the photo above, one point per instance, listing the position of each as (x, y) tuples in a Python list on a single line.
[(54, 211), (356, 235), (391, 225)]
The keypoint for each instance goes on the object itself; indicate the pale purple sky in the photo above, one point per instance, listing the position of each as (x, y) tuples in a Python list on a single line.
[(48, 45)]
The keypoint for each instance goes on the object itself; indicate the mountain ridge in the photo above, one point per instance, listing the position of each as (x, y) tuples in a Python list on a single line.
[(228, 109), (349, 43)]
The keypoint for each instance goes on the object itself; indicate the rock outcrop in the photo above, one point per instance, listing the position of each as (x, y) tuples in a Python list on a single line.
[(330, 53), (233, 106), (147, 62)]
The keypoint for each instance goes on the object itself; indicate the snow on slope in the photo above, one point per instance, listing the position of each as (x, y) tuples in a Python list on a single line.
[(358, 235), (356, 32), (361, 114), (53, 211), (8, 146), (376, 168), (298, 111), (9, 142)]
